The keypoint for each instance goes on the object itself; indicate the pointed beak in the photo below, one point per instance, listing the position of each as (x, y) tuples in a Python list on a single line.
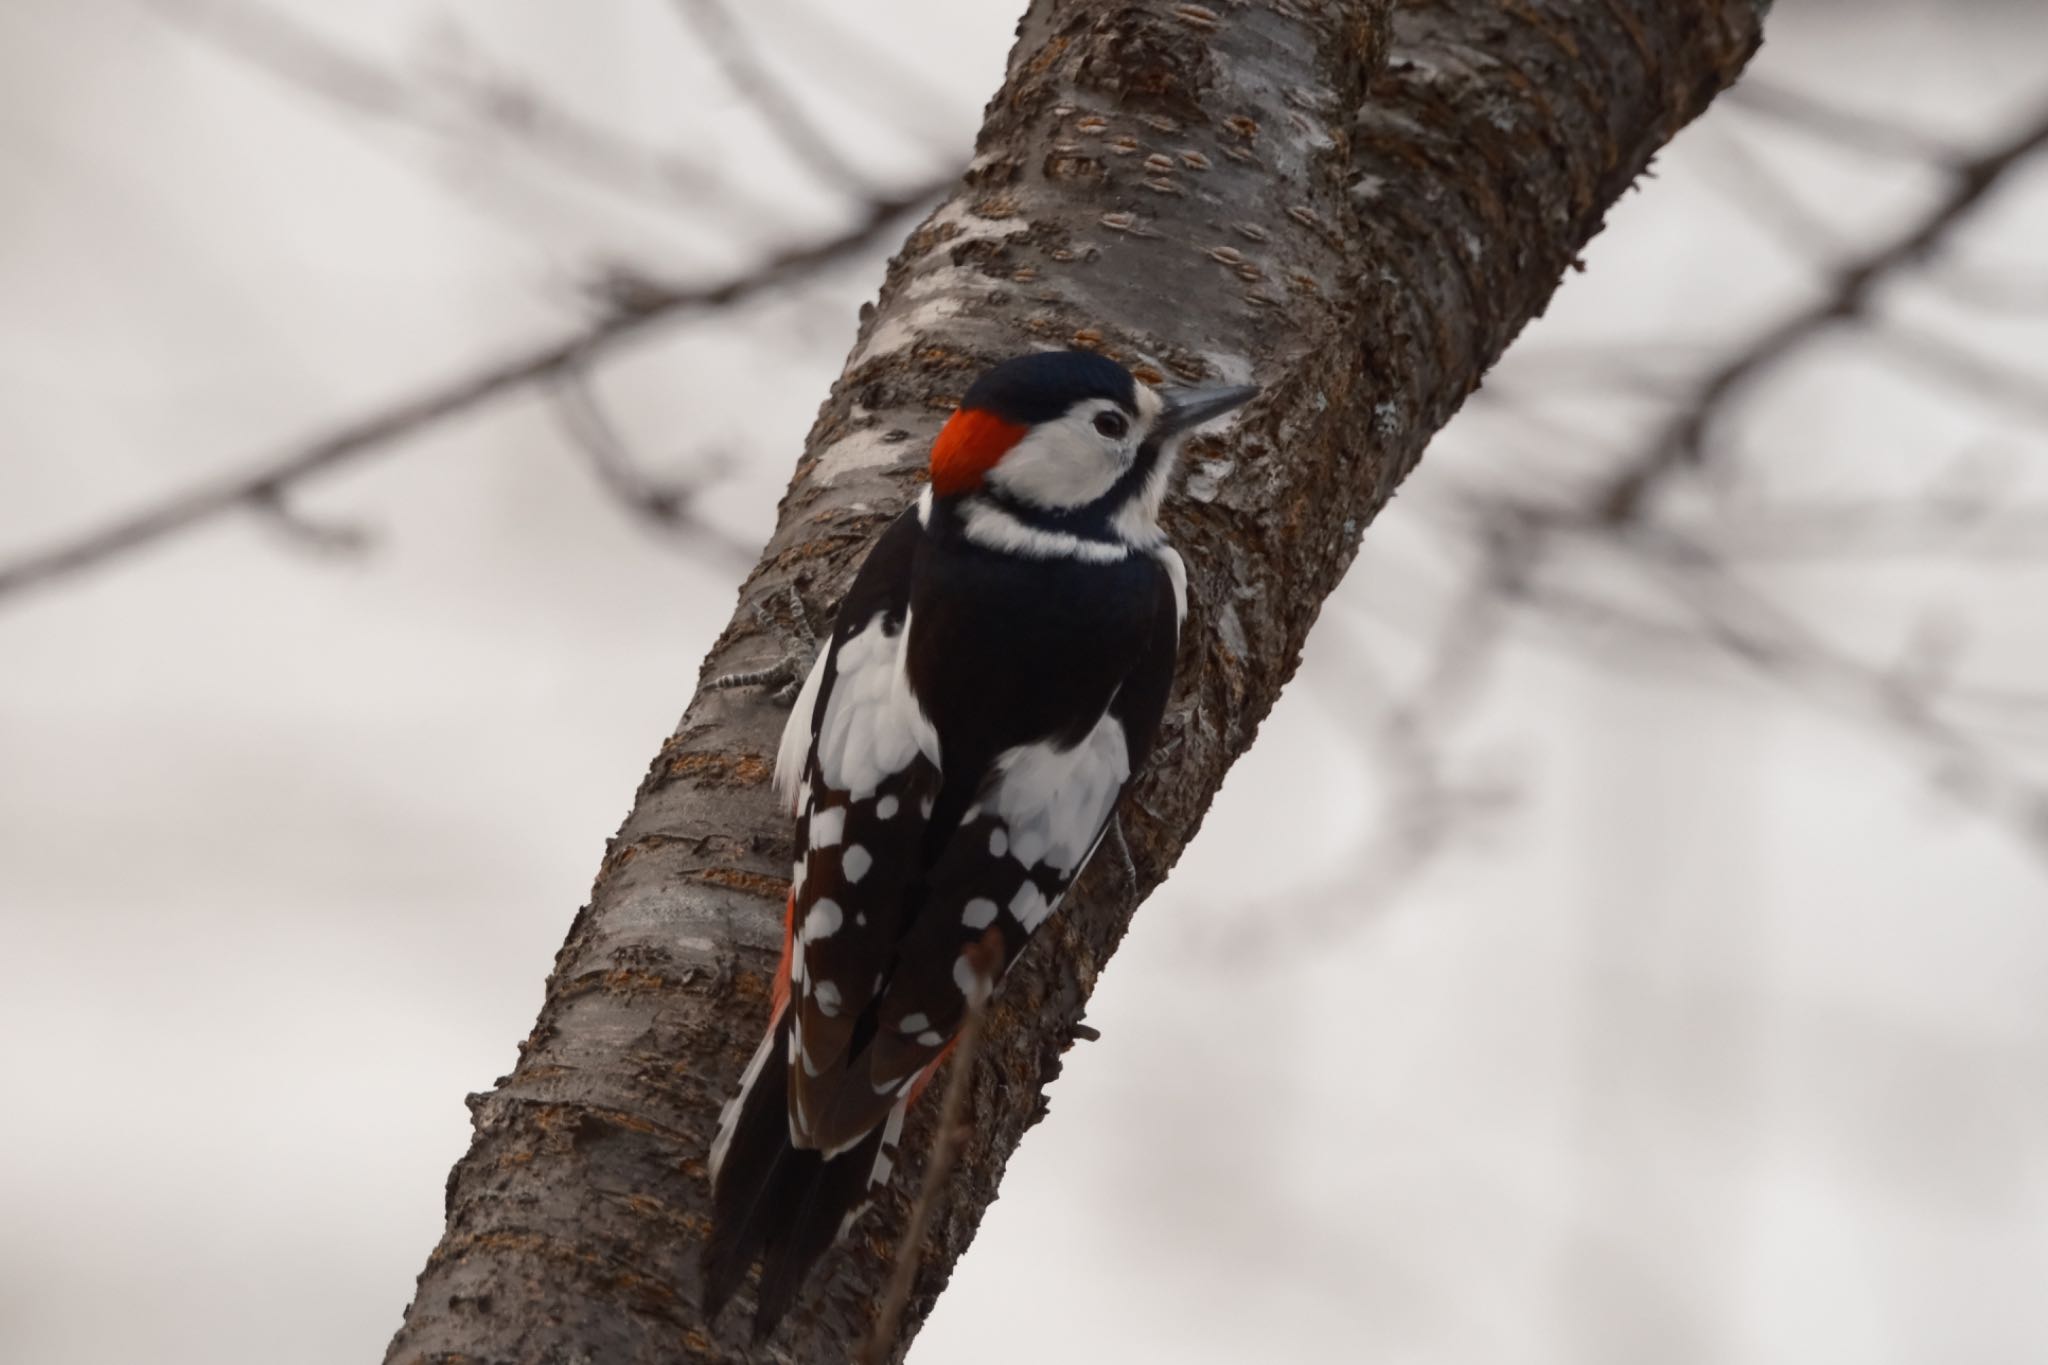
[(1187, 409)]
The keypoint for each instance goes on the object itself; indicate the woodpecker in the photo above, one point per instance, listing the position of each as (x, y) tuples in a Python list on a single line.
[(993, 678)]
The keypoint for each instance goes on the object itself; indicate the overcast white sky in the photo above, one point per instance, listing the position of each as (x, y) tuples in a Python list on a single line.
[(1726, 1045)]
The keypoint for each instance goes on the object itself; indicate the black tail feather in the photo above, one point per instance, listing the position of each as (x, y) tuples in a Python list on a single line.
[(819, 1195), (771, 1201), (753, 1156)]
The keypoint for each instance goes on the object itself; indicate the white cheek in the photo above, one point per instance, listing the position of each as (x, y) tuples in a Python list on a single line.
[(1061, 464)]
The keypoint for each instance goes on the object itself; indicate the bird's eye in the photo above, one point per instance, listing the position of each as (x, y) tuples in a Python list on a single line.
[(1111, 424)]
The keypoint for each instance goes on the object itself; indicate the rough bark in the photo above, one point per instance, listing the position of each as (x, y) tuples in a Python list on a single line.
[(1356, 212)]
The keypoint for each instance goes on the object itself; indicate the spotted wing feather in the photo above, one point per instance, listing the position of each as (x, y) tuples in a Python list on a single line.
[(1039, 811), (868, 784), (963, 744)]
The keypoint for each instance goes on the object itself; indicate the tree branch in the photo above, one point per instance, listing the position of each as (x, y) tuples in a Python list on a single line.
[(646, 306), (466, 106), (785, 117), (1202, 192), (1872, 133), (1683, 441), (666, 505)]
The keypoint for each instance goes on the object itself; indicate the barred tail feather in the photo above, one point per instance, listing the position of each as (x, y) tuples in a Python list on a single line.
[(771, 1201), (729, 1117), (818, 1197), (746, 1161)]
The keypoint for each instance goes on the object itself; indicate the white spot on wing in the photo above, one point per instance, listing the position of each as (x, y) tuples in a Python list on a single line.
[(827, 996), (1030, 906), (855, 862), (972, 984), (979, 913), (885, 1165), (998, 842), (823, 921), (913, 1023), (827, 827)]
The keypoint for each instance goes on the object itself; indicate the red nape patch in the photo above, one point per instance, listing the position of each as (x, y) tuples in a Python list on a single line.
[(968, 447)]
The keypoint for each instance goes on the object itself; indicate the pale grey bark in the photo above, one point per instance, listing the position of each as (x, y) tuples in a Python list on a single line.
[(1358, 213)]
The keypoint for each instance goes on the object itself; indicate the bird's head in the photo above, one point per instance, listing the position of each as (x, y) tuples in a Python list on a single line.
[(1069, 441)]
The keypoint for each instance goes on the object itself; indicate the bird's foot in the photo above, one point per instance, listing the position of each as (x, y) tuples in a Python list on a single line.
[(786, 675)]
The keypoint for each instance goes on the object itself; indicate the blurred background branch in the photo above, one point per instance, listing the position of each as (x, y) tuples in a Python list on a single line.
[(630, 301), (1694, 555)]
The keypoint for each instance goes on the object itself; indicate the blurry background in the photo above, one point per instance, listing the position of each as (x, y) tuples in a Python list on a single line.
[(1628, 938)]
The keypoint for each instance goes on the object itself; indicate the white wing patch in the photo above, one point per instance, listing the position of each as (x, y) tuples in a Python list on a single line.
[(796, 737), (828, 827), (1030, 907), (873, 726), (1054, 802)]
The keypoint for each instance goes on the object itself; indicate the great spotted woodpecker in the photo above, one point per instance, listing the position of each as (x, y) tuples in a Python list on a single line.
[(995, 675)]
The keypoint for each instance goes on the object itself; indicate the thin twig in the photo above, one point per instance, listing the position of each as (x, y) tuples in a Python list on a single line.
[(321, 536), (439, 402), (1956, 365), (749, 77), (1847, 127), (2005, 289), (463, 105), (1757, 189), (1683, 440), (1869, 528), (946, 1141), (859, 57), (1760, 633), (666, 505)]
